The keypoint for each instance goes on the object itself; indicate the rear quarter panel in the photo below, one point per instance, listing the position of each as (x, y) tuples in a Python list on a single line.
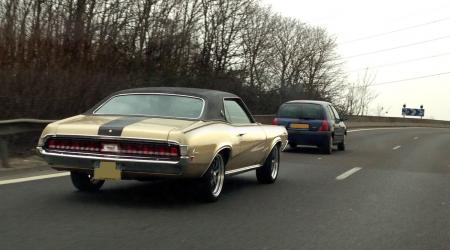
[(275, 134), (203, 144), (206, 141)]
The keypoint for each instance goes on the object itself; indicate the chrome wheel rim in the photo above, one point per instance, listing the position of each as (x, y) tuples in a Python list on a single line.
[(275, 164), (218, 176)]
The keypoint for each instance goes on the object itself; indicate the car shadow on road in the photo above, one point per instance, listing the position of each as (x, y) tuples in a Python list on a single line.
[(167, 194), (304, 150), (309, 151)]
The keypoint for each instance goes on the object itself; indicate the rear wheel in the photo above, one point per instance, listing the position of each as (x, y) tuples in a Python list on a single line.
[(85, 182), (327, 148), (292, 145), (212, 181), (268, 172)]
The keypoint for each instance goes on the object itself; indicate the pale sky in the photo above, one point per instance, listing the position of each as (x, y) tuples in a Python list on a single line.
[(353, 19)]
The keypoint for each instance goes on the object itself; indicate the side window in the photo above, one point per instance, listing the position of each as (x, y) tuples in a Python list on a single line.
[(335, 113), (235, 113), (331, 113)]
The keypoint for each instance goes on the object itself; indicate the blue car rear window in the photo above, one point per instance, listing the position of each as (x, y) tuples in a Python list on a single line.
[(306, 111)]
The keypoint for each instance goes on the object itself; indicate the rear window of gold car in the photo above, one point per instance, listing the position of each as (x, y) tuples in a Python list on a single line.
[(158, 105)]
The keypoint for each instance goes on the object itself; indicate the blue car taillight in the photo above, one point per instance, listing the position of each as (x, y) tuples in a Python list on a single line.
[(275, 121), (325, 126)]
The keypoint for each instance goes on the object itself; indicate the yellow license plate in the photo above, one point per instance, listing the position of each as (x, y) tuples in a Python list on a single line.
[(107, 170), (300, 125)]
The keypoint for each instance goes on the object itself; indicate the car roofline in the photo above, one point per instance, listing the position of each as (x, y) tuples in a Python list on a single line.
[(308, 102)]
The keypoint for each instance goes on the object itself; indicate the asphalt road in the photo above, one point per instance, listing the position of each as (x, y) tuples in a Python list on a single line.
[(389, 190)]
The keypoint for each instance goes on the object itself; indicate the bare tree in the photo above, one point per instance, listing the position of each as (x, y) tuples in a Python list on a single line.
[(360, 95), (93, 47), (256, 42), (286, 49)]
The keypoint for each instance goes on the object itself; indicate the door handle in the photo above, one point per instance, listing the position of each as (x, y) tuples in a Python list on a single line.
[(241, 134)]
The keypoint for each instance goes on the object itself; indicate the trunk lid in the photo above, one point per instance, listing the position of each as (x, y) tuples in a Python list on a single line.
[(132, 127), (299, 124)]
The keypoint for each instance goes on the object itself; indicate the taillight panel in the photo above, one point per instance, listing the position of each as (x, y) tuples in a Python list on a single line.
[(275, 121), (325, 126), (114, 147)]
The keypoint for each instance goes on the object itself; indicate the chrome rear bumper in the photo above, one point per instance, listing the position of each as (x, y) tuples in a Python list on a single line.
[(77, 162)]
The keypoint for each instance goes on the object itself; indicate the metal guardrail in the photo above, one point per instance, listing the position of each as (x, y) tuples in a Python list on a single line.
[(10, 127), (376, 121)]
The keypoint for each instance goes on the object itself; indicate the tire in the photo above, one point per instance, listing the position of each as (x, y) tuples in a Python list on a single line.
[(84, 182), (268, 172), (292, 145), (211, 184), (327, 148), (341, 145)]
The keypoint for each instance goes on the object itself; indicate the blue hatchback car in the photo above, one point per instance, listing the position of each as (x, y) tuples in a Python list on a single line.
[(312, 123)]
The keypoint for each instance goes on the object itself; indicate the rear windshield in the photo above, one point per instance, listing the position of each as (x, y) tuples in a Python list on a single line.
[(158, 105), (306, 111)]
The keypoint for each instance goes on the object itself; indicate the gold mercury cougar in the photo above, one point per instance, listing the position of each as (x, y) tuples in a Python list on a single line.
[(148, 133)]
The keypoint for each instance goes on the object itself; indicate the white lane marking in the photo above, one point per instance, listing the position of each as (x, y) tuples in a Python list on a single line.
[(320, 158), (347, 174), (416, 137), (396, 147), (369, 129), (34, 178)]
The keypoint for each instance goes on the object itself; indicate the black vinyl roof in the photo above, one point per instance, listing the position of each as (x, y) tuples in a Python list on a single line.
[(196, 92), (213, 98)]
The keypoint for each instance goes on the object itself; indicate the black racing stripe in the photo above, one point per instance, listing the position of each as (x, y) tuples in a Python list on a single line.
[(115, 127)]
